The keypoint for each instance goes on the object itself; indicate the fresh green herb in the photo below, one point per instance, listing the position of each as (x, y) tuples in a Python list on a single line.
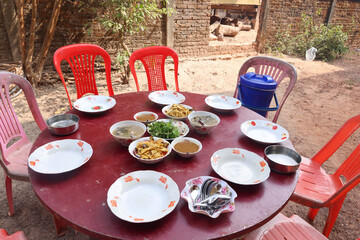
[(163, 130)]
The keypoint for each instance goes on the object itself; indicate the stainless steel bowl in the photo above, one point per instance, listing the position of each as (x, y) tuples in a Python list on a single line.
[(63, 124), (282, 159)]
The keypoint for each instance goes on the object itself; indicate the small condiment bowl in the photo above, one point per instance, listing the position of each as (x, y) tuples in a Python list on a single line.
[(282, 159), (137, 115), (186, 139), (63, 124), (133, 145), (125, 141), (203, 128)]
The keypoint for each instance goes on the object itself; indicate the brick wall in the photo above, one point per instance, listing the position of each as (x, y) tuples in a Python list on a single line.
[(287, 13), (191, 33), (191, 24)]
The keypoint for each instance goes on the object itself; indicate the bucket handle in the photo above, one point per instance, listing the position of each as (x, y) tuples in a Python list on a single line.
[(258, 108)]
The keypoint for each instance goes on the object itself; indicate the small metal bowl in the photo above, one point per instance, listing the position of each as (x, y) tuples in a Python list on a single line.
[(63, 124), (282, 159)]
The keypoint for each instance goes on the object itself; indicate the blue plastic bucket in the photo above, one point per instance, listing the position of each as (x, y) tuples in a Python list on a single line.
[(255, 91)]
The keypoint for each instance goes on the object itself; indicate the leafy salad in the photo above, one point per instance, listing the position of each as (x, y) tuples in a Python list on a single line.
[(162, 129)]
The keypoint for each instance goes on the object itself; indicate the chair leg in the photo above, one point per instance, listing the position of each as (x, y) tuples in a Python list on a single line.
[(312, 213), (334, 210), (60, 226), (9, 195)]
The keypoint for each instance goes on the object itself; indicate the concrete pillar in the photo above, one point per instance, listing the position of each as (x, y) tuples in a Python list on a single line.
[(170, 25)]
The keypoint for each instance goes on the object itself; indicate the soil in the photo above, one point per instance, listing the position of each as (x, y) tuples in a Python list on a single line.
[(325, 96)]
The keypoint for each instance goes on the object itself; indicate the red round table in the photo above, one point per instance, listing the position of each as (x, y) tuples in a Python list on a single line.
[(78, 198)]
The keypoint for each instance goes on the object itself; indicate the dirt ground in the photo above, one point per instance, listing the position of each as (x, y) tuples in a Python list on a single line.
[(325, 96)]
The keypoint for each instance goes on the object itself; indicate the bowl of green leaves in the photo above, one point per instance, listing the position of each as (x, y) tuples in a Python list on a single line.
[(168, 129)]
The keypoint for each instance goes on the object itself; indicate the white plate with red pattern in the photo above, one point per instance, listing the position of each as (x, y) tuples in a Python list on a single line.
[(222, 103), (240, 166), (166, 97), (60, 156), (264, 131), (143, 196), (94, 104)]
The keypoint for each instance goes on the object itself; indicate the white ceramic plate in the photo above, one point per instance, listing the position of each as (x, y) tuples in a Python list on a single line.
[(264, 131), (94, 104), (222, 103), (166, 108), (166, 97), (240, 166), (181, 126), (60, 156), (143, 196), (225, 189)]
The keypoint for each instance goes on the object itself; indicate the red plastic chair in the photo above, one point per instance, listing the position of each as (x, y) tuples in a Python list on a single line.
[(14, 157), (20, 235), (281, 227), (153, 59), (273, 67), (316, 189), (81, 58)]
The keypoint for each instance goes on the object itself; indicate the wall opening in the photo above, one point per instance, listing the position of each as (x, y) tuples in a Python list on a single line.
[(234, 21)]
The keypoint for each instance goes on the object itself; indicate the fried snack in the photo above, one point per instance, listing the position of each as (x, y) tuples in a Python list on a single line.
[(151, 149), (177, 110)]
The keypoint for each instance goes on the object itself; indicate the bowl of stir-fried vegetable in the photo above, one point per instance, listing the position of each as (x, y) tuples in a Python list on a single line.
[(177, 111), (150, 150), (168, 129)]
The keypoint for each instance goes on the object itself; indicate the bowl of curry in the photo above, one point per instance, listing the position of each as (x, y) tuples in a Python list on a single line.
[(186, 147)]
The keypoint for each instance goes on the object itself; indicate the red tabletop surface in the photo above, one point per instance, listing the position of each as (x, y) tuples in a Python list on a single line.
[(79, 197)]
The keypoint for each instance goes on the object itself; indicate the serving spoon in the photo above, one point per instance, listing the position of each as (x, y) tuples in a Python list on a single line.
[(194, 193)]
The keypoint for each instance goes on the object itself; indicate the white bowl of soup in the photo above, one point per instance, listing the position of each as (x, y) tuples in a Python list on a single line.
[(127, 131), (146, 117), (203, 122), (186, 146)]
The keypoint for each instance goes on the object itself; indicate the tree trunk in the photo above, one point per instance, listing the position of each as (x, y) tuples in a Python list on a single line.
[(34, 75), (127, 69), (47, 41), (22, 38)]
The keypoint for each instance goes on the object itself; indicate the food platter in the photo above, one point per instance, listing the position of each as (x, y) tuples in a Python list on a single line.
[(264, 131), (166, 97), (94, 104), (60, 156), (182, 128), (143, 196), (197, 182), (222, 103), (166, 109), (240, 166)]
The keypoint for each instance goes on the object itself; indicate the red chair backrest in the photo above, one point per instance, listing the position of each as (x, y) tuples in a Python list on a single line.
[(153, 58), (81, 58), (10, 127), (273, 67), (350, 168)]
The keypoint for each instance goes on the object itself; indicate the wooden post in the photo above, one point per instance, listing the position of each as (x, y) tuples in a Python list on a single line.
[(170, 26), (12, 27), (331, 12)]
